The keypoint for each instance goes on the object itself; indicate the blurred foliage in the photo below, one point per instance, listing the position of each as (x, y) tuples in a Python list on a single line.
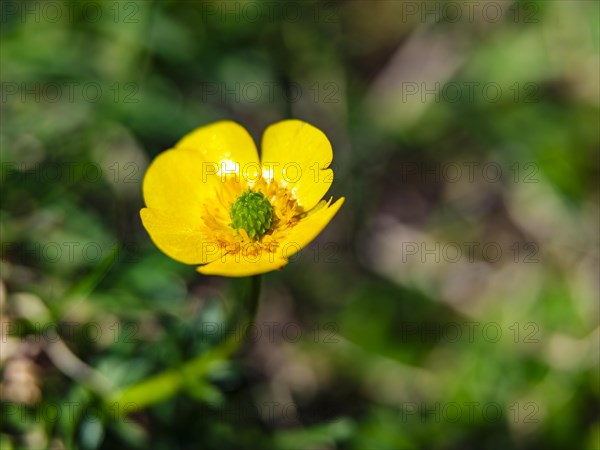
[(384, 340)]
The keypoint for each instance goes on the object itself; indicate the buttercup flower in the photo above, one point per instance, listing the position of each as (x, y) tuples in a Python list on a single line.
[(211, 201)]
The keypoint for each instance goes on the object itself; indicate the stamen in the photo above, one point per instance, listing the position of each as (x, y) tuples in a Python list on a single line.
[(253, 213)]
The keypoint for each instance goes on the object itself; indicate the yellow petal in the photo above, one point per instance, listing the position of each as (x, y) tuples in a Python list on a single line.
[(178, 181), (298, 155), (309, 228), (226, 146), (179, 236), (238, 265)]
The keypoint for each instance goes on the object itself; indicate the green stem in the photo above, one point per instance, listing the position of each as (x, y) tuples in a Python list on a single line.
[(246, 315), (166, 384)]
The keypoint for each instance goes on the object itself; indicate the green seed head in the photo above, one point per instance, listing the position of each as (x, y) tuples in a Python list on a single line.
[(252, 212)]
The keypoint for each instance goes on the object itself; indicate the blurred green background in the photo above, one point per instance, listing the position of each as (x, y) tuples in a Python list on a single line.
[(453, 301)]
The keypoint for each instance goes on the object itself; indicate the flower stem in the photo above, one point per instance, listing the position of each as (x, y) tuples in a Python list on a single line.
[(169, 382), (250, 304), (243, 318)]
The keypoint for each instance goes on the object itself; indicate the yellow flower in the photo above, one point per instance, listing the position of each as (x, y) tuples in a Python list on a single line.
[(211, 201)]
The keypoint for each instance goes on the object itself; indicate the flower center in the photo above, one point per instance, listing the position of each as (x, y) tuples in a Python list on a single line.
[(253, 213)]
